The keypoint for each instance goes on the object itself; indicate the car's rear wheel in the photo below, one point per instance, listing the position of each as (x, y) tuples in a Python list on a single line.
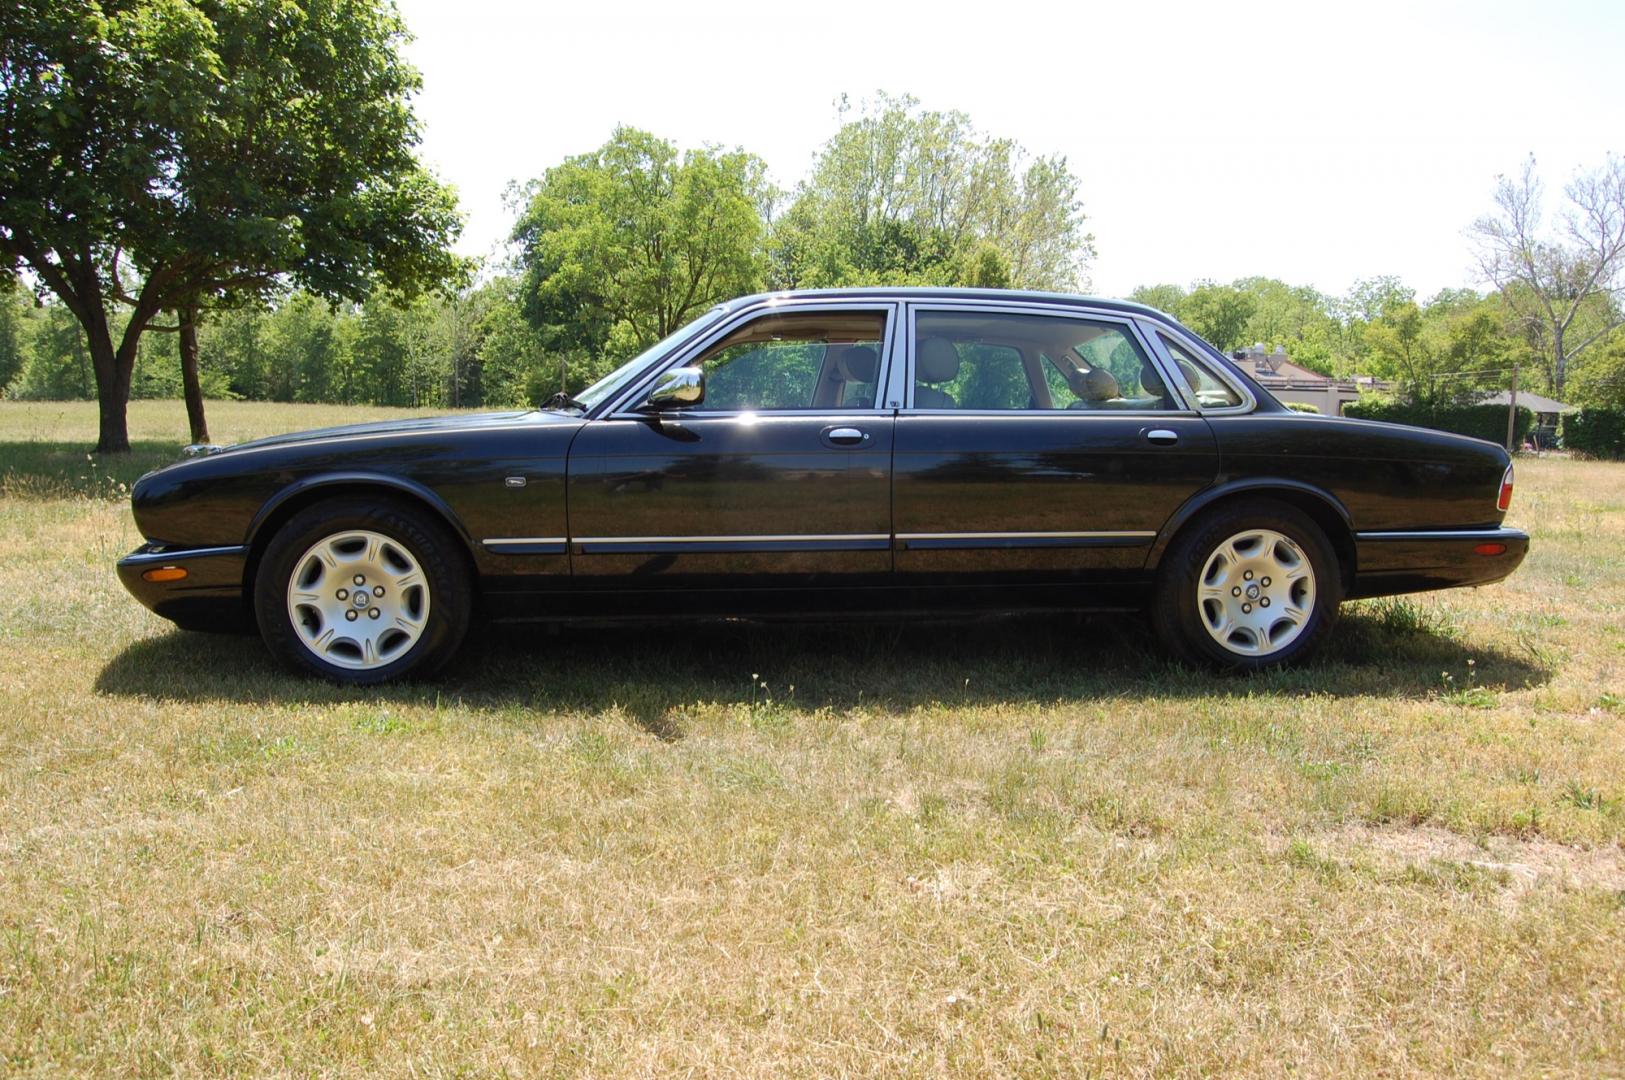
[(1249, 585), (362, 590)]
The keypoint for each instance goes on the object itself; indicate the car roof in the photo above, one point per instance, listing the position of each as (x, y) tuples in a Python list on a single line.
[(925, 292)]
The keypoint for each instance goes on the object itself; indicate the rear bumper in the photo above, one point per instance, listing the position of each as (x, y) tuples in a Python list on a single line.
[(1420, 560), (209, 597)]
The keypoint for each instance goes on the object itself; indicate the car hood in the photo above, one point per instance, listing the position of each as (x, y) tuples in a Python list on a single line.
[(424, 424)]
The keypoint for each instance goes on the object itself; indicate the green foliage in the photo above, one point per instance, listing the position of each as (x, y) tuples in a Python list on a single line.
[(623, 245), (1302, 406), (1219, 313), (159, 152), (1261, 310), (466, 349), (1597, 377), (1451, 351), (905, 196), (1596, 432), (1480, 421)]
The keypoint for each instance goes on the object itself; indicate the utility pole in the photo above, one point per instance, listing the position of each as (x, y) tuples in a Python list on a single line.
[(1512, 410)]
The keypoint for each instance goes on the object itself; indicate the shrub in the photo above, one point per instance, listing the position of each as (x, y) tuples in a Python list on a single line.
[(1480, 421), (1301, 406), (1596, 432)]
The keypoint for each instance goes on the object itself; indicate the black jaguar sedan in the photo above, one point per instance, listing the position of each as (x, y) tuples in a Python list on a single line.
[(809, 454)]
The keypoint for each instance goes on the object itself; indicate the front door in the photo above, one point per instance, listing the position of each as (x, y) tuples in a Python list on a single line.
[(781, 477), (1039, 447)]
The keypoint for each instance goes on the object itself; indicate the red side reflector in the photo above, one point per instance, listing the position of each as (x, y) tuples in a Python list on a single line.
[(1504, 499), (1490, 549), (164, 573)]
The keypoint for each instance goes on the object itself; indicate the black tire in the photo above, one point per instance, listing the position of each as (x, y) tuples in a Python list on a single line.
[(447, 597), (1178, 612)]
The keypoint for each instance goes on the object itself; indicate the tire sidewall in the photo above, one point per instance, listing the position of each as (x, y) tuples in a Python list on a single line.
[(1176, 611), (428, 542)]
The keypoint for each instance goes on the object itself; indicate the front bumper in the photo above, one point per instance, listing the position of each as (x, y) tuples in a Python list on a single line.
[(1417, 561), (210, 597)]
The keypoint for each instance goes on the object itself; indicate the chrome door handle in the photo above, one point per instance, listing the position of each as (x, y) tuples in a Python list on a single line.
[(845, 436), (1162, 437)]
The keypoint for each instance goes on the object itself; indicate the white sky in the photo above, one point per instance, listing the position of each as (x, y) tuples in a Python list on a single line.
[(1315, 143)]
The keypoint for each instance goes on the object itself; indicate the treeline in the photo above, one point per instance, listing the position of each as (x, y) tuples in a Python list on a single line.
[(247, 217), (464, 349), (611, 251), (1446, 349), (479, 347)]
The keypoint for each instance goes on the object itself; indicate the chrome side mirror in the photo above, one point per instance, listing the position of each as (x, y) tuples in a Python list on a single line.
[(677, 388)]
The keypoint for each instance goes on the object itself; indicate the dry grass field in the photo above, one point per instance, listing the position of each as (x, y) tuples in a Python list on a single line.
[(1030, 848)]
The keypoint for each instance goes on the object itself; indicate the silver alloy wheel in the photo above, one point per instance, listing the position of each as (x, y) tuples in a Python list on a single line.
[(1256, 592), (358, 599)]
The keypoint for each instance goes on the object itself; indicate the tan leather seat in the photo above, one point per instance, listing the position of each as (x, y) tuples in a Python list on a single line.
[(1093, 386), (857, 364), (936, 361)]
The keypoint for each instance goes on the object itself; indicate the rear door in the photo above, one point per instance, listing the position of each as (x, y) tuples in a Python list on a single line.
[(1039, 445), (781, 477)]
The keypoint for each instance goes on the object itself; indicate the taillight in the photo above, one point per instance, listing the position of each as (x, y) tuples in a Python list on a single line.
[(1504, 500)]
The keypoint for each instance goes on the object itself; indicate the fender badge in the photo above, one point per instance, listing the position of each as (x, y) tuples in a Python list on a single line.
[(515, 481)]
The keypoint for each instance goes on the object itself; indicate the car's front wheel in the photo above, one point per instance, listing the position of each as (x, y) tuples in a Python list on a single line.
[(362, 590), (1250, 585)]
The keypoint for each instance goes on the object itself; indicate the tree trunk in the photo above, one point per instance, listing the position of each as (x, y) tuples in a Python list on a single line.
[(112, 386), (191, 389), (1560, 363)]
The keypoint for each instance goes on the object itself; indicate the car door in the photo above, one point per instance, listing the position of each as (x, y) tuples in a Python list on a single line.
[(1040, 444), (781, 477)]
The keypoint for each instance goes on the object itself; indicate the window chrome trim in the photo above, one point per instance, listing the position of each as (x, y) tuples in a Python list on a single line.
[(1184, 403), (621, 407), (1073, 414), (1249, 400)]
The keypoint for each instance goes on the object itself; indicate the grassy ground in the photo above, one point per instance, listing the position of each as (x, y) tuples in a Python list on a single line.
[(1029, 849)]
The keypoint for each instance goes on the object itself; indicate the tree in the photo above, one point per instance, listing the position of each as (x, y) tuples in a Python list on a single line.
[(1166, 298), (163, 154), (1564, 285), (1449, 352), (1219, 313), (901, 195), (623, 245)]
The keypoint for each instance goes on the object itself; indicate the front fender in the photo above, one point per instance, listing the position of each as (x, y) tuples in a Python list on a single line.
[(308, 486)]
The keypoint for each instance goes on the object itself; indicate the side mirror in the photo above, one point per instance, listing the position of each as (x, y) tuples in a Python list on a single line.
[(677, 388)]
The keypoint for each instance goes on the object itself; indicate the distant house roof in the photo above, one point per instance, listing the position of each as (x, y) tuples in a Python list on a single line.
[(1273, 369), (1537, 403)]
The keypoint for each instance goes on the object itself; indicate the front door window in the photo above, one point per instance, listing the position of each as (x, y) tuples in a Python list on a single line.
[(795, 361)]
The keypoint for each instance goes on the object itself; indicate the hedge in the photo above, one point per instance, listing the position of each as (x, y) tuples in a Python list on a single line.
[(1597, 432), (1480, 421)]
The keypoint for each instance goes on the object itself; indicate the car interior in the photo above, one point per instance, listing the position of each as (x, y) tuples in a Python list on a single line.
[(999, 361), (971, 361)]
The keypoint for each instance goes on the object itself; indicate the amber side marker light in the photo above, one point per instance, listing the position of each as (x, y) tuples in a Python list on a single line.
[(1490, 549), (164, 573)]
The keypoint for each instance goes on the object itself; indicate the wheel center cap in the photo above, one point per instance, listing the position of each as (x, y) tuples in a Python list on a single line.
[(360, 598), (1252, 592)]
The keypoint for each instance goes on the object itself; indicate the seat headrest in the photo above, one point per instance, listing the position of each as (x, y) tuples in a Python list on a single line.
[(1097, 384), (857, 363), (1152, 382), (937, 361), (1188, 369)]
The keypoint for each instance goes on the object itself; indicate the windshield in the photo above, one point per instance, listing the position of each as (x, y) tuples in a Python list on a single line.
[(612, 383)]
